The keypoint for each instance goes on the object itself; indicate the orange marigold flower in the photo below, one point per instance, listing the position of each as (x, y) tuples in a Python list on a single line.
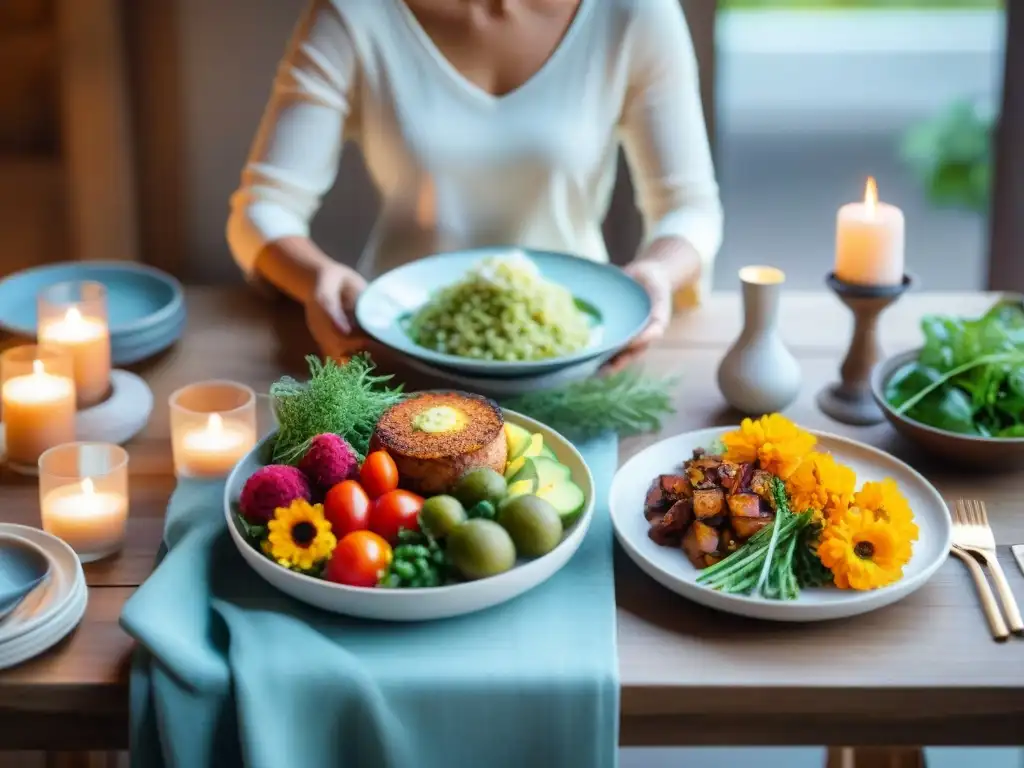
[(774, 442), (885, 502), (862, 551), (822, 484)]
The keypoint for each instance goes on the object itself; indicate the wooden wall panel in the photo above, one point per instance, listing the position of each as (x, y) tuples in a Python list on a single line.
[(1006, 257), (96, 130)]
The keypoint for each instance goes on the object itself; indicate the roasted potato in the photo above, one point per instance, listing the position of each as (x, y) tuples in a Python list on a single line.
[(700, 540), (675, 487), (708, 503), (745, 527), (744, 505)]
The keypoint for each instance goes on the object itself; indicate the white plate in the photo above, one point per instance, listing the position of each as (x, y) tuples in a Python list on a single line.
[(44, 637), (47, 600), (670, 568), (429, 603)]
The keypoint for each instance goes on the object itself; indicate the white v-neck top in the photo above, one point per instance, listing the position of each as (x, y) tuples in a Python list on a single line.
[(457, 167)]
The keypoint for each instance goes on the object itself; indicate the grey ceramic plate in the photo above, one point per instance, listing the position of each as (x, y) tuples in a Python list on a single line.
[(619, 305), (23, 567)]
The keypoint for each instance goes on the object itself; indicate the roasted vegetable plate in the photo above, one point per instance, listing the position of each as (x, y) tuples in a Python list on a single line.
[(772, 521)]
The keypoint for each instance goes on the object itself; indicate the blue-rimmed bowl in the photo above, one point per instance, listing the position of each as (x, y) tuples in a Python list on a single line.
[(619, 306), (146, 306)]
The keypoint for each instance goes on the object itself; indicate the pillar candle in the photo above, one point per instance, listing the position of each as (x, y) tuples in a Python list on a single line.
[(870, 241)]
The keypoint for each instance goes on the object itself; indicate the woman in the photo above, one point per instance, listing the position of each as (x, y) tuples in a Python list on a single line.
[(482, 122)]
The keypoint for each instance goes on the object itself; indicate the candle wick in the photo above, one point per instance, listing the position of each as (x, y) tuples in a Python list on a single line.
[(87, 487), (37, 367)]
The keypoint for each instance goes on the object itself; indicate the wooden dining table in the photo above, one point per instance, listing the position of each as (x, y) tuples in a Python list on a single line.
[(922, 672)]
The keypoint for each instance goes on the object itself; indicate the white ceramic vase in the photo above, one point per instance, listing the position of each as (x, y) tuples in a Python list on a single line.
[(758, 374)]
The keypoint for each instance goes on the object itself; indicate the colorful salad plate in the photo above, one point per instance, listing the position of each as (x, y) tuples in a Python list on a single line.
[(615, 306), (900, 565), (419, 603), (146, 306)]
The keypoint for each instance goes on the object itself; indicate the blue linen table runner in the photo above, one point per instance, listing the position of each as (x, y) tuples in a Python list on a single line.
[(231, 672)]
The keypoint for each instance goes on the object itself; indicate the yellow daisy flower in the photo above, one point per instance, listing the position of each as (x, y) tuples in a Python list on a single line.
[(886, 503), (862, 551), (299, 536), (774, 442), (822, 484)]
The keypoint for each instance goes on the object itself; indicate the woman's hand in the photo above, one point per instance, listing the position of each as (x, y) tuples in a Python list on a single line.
[(655, 280), (330, 311)]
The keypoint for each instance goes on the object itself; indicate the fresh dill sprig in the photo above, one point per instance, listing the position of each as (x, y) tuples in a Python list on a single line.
[(345, 400), (626, 402)]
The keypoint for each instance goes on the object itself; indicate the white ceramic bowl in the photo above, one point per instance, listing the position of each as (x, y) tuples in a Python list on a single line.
[(670, 568), (428, 603)]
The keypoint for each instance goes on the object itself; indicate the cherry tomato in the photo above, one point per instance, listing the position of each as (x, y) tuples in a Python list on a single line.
[(359, 560), (393, 511), (379, 475), (347, 508)]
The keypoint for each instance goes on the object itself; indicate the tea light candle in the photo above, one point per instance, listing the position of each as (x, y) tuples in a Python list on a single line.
[(213, 450), (38, 411), (213, 426), (87, 339), (83, 497), (91, 522), (870, 241)]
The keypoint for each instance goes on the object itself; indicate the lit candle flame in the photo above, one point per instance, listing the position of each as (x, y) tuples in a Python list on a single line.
[(215, 424), (87, 487), (73, 315), (871, 195), (37, 367)]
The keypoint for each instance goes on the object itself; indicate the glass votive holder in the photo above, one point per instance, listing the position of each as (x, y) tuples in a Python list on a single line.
[(37, 402), (213, 426), (73, 316), (83, 496)]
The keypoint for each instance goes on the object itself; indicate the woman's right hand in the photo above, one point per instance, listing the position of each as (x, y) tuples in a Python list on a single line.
[(330, 311)]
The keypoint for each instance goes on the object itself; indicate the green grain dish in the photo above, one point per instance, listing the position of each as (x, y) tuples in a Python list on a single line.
[(502, 310)]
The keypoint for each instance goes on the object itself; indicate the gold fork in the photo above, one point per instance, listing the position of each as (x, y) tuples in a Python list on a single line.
[(973, 534)]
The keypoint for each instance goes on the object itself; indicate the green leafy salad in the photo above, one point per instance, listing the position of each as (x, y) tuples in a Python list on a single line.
[(969, 376)]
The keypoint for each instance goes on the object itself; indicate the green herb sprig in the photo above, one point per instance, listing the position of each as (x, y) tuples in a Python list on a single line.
[(626, 402), (346, 400)]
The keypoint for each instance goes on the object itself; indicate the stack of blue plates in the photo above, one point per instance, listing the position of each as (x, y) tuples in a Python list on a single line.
[(620, 308), (146, 306)]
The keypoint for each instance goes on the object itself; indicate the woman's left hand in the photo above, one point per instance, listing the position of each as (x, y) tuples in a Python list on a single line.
[(655, 281)]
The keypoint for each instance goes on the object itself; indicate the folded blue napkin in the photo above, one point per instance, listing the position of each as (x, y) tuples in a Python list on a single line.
[(230, 672)]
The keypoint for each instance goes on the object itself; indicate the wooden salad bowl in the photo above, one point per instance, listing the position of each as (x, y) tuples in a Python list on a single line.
[(975, 451)]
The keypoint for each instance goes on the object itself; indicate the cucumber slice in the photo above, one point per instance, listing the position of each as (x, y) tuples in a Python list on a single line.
[(517, 439), (549, 471), (521, 487), (533, 448), (548, 453), (566, 497)]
